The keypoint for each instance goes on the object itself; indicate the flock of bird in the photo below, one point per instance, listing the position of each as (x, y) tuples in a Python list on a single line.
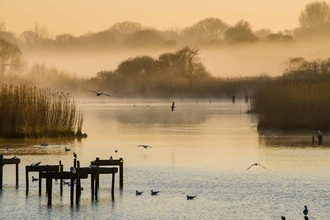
[(155, 193)]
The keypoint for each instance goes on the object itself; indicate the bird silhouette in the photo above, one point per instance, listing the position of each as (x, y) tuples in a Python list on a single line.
[(67, 149), (99, 93), (43, 144), (190, 197), (154, 193), (138, 193), (34, 179), (111, 158), (35, 164), (256, 164), (74, 155), (144, 146), (72, 170), (173, 106), (305, 212)]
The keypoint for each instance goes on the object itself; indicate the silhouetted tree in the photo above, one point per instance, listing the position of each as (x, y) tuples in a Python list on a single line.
[(125, 28), (315, 14), (240, 33), (206, 30), (35, 36), (280, 38), (263, 33), (140, 66), (65, 39), (10, 57)]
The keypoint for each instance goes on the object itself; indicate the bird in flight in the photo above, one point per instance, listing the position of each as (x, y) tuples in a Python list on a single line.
[(34, 179), (35, 164), (138, 193), (256, 164), (67, 149), (154, 193), (99, 93), (144, 146), (173, 106)]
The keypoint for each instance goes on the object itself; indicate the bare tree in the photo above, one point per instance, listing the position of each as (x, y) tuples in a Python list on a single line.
[(315, 14), (36, 35), (10, 57)]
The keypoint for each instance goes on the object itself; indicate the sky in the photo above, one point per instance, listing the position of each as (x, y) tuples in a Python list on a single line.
[(78, 17)]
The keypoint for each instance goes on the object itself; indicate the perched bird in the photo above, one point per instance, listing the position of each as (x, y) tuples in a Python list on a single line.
[(144, 146), (6, 148), (190, 197), (72, 170), (138, 193), (305, 210), (67, 149), (111, 158), (99, 93), (74, 155), (14, 157), (43, 144), (35, 164), (34, 179), (92, 166), (154, 193), (255, 164), (172, 107)]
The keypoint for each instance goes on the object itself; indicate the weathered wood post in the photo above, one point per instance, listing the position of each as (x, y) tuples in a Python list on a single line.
[(17, 175), (92, 185), (233, 98), (40, 181), (78, 184), (306, 217), (97, 184), (49, 183), (26, 181), (313, 140), (61, 180), (71, 192), (121, 173), (97, 176), (1, 170), (282, 217), (113, 186)]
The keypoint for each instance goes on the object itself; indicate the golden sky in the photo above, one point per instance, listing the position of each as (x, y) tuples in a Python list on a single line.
[(81, 16)]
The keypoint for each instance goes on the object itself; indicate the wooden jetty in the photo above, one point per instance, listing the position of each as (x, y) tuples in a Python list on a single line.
[(113, 162), (4, 161), (40, 170)]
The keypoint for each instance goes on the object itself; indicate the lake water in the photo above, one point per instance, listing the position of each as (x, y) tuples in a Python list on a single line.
[(200, 149)]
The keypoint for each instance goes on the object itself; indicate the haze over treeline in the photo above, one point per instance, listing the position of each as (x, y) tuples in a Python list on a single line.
[(181, 59)]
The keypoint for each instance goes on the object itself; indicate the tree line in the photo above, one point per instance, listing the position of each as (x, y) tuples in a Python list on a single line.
[(314, 22)]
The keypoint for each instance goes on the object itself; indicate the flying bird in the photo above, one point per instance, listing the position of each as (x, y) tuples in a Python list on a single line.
[(116, 151), (144, 146), (34, 179), (99, 93), (305, 210), (154, 193), (256, 164), (67, 149), (138, 193), (173, 106), (190, 197)]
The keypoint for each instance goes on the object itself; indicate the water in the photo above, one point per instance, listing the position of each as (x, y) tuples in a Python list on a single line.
[(200, 149)]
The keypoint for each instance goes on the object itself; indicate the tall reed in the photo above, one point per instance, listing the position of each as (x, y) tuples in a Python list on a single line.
[(31, 112)]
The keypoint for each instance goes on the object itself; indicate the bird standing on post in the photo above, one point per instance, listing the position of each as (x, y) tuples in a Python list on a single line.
[(74, 155), (305, 210)]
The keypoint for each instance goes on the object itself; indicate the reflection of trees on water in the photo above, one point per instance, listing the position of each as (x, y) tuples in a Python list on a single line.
[(150, 115), (299, 141)]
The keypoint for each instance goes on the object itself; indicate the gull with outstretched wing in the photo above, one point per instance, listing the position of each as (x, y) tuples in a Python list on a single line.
[(256, 164)]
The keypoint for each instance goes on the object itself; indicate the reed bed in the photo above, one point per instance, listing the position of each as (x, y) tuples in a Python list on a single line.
[(31, 112), (287, 104)]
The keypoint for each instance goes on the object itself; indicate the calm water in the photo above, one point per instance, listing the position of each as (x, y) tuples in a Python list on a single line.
[(201, 149)]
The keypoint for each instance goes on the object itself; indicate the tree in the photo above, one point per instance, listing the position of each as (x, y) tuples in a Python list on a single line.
[(147, 37), (263, 33), (140, 66), (240, 33), (206, 30), (36, 35), (125, 28), (10, 57), (65, 39), (315, 14)]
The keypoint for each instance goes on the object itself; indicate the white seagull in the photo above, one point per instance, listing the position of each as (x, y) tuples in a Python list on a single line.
[(144, 146), (256, 164)]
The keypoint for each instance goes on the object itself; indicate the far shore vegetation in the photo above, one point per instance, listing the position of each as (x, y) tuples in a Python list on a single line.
[(297, 100)]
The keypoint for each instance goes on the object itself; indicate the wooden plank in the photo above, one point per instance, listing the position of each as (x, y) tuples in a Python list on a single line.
[(51, 168), (106, 162), (101, 170), (63, 175), (11, 161)]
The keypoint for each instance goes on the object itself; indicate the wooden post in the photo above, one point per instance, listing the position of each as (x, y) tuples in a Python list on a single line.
[(49, 182), (306, 217), (61, 180), (121, 173), (96, 182), (40, 181), (113, 186), (1, 170), (71, 192), (77, 184), (16, 176), (319, 139), (233, 98), (282, 217), (75, 163), (313, 140), (26, 180), (246, 98), (92, 186)]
